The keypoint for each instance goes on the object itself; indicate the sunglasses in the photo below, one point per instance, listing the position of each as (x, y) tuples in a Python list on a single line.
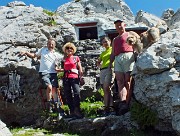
[(69, 48)]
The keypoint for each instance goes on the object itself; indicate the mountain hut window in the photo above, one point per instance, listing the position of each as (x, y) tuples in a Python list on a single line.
[(88, 33)]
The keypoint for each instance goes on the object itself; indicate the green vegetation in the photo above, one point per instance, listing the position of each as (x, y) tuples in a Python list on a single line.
[(143, 115), (101, 92), (60, 75), (34, 132), (50, 13), (29, 132), (52, 22), (89, 107)]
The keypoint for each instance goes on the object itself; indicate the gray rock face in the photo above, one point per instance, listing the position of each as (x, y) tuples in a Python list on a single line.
[(24, 28), (104, 12), (4, 131), (16, 3), (27, 28), (157, 81), (151, 20), (175, 20)]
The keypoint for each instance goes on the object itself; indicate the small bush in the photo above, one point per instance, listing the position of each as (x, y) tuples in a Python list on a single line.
[(143, 115), (52, 23), (101, 92), (65, 108), (91, 109), (50, 13)]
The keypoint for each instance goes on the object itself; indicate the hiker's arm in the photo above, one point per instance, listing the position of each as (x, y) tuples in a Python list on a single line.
[(98, 63), (31, 55), (59, 69)]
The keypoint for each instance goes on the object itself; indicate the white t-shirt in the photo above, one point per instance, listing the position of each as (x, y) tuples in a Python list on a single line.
[(47, 61)]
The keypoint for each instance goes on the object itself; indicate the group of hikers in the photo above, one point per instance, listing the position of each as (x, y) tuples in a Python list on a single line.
[(117, 59)]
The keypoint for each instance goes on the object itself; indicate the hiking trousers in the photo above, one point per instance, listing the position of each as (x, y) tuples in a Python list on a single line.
[(72, 93)]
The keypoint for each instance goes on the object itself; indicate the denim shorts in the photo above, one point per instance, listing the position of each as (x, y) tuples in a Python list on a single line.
[(49, 79)]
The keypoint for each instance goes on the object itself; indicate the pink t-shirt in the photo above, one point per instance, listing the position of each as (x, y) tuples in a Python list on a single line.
[(71, 63), (120, 44)]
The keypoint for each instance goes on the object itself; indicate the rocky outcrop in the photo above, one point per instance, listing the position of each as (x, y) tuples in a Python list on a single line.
[(107, 10), (25, 28), (4, 131), (157, 81), (28, 28), (151, 21)]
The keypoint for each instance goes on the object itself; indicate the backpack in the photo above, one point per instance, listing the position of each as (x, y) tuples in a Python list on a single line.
[(12, 91)]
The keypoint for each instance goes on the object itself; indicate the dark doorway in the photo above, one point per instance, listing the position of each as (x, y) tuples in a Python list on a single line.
[(88, 33)]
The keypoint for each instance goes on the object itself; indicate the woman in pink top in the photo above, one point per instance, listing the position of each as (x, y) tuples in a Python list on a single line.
[(72, 76)]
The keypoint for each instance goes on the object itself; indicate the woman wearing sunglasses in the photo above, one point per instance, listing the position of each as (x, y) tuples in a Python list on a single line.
[(72, 75)]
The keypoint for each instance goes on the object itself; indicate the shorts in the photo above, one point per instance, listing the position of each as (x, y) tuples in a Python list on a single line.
[(49, 79), (124, 62), (106, 76)]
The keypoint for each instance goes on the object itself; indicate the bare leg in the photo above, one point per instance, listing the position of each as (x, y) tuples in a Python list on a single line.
[(49, 92), (54, 94), (121, 85), (107, 95), (128, 85)]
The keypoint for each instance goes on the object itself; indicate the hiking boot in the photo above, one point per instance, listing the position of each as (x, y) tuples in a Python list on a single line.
[(123, 108), (105, 113), (49, 107), (78, 113), (111, 111)]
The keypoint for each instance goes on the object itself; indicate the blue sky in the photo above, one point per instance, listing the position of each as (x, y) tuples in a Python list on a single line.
[(155, 7)]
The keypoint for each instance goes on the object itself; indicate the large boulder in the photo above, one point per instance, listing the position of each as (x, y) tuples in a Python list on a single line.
[(4, 131), (24, 28), (151, 20), (105, 12), (157, 81)]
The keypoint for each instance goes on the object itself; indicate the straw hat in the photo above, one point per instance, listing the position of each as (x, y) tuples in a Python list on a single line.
[(69, 45)]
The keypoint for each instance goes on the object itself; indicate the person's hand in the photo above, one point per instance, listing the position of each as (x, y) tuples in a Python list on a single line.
[(82, 82), (56, 68), (59, 69), (80, 74)]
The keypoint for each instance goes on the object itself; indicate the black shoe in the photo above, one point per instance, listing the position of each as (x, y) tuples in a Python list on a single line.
[(108, 111), (78, 116), (69, 116), (105, 112), (49, 107), (123, 108), (111, 111)]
